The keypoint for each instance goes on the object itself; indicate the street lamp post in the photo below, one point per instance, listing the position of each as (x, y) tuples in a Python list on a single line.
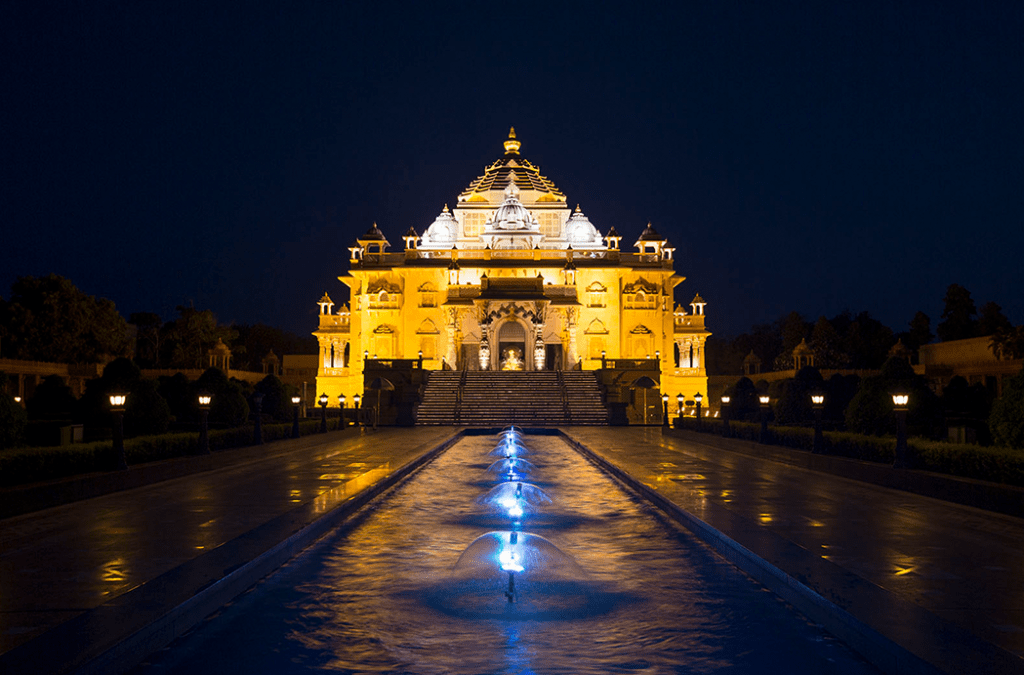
[(604, 354), (697, 398), (257, 427), (204, 422), (323, 413), (355, 402), (763, 437), (296, 400), (900, 400), (725, 415), (664, 405), (679, 407), (341, 411), (117, 406), (817, 404)]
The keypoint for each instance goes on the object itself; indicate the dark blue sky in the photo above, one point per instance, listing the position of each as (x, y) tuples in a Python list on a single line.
[(807, 156)]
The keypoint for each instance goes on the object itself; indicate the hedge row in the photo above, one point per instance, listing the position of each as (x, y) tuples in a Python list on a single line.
[(997, 465), (30, 465)]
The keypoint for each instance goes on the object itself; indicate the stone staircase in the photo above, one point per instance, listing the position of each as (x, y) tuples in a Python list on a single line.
[(497, 398)]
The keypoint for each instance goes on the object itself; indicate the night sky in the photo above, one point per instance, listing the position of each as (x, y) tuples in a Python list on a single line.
[(802, 156)]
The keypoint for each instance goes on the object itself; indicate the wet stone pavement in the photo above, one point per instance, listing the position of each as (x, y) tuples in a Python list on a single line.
[(961, 564), (60, 562)]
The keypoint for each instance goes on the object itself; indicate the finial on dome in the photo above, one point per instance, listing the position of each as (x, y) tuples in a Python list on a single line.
[(512, 145)]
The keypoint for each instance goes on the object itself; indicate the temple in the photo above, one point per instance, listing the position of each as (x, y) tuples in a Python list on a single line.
[(512, 279)]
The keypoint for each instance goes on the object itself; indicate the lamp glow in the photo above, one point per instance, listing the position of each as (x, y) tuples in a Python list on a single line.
[(817, 399), (725, 400), (764, 399), (900, 400)]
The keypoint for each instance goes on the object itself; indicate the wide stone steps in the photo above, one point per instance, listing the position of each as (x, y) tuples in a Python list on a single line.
[(496, 398)]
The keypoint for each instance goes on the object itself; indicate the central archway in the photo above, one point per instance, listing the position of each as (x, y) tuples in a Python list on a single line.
[(512, 354)]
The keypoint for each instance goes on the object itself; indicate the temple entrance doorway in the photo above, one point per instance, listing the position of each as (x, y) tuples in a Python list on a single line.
[(512, 353), (553, 357)]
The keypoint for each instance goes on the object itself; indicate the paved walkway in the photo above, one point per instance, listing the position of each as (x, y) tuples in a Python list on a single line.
[(62, 562), (961, 564)]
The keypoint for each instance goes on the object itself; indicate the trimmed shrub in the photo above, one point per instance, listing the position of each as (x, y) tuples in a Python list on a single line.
[(147, 412), (997, 465), (29, 465), (52, 400), (12, 420), (1007, 418)]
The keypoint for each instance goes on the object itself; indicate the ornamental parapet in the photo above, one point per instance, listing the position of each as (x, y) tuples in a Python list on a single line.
[(688, 322)]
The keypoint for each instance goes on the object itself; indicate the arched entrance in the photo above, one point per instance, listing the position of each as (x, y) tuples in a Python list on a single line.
[(512, 353)]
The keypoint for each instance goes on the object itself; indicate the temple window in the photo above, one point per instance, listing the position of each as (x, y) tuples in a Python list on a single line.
[(428, 295), (473, 224), (596, 295), (428, 345), (550, 225)]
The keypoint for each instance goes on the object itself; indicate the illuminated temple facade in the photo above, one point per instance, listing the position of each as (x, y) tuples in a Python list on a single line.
[(512, 278)]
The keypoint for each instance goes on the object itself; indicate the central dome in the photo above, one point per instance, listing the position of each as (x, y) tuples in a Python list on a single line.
[(512, 169)]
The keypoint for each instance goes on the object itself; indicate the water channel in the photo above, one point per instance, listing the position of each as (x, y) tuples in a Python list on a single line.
[(614, 587)]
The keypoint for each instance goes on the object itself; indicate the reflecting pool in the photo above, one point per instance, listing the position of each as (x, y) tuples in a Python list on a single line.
[(417, 584)]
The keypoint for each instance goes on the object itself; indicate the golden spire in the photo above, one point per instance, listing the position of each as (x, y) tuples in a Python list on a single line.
[(512, 145)]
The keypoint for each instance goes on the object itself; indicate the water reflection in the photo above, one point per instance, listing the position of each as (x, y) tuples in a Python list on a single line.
[(635, 594)]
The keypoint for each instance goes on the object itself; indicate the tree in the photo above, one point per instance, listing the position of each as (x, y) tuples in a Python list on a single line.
[(920, 331), (12, 418), (958, 315), (827, 345), (49, 319), (1007, 418), (256, 341), (147, 338), (1008, 344), (186, 340), (866, 340), (991, 320), (792, 329)]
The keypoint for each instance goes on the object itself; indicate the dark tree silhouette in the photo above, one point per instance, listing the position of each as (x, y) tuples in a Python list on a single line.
[(958, 315)]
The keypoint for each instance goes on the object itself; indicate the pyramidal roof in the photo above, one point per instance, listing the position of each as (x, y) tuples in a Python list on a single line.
[(512, 168)]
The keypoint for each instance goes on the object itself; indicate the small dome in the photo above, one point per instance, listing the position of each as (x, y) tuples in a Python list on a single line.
[(650, 234), (580, 232), (373, 234), (512, 215), (443, 231)]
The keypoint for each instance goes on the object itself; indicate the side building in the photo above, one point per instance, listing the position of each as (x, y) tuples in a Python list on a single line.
[(511, 279)]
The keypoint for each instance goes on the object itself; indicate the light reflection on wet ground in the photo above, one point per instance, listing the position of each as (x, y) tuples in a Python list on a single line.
[(364, 599)]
